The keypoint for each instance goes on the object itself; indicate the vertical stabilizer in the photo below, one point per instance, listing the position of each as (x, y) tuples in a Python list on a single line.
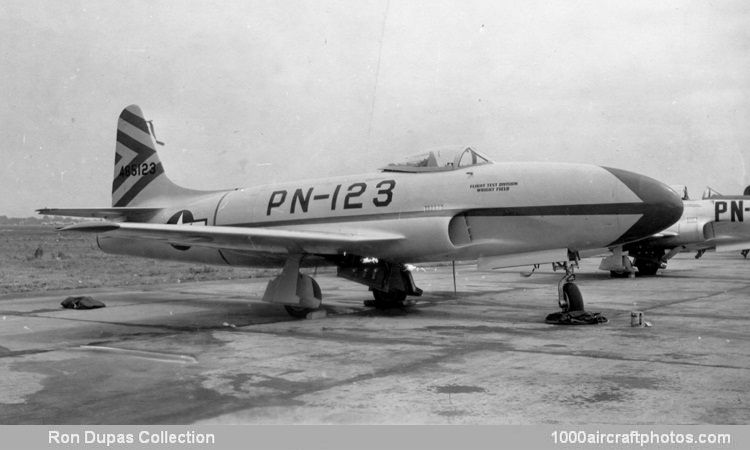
[(139, 175)]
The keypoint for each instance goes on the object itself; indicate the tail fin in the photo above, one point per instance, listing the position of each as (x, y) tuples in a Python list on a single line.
[(139, 175)]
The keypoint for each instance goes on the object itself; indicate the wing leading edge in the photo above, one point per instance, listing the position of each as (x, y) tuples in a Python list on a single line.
[(243, 239)]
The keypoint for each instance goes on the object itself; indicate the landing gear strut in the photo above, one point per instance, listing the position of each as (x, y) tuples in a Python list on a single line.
[(568, 295)]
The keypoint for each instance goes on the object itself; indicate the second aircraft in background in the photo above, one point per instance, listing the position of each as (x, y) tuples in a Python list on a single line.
[(716, 222)]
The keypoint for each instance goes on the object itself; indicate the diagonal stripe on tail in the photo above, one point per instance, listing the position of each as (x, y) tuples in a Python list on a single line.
[(134, 116), (137, 188), (137, 164), (142, 154)]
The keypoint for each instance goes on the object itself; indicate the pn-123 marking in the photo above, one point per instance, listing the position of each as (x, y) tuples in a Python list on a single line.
[(735, 208), (345, 198)]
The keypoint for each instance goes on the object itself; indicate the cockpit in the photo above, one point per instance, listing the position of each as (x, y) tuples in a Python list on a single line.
[(439, 161), (709, 193)]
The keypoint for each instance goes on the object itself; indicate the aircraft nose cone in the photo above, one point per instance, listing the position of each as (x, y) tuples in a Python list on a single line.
[(661, 206)]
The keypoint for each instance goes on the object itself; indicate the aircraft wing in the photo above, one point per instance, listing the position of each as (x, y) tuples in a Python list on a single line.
[(101, 213), (243, 238), (732, 247)]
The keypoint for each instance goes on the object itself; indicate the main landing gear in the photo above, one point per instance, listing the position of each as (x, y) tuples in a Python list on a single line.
[(646, 259), (389, 282), (299, 293), (301, 296), (385, 299)]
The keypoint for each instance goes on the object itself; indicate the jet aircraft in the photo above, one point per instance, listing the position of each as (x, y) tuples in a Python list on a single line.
[(437, 206), (716, 222)]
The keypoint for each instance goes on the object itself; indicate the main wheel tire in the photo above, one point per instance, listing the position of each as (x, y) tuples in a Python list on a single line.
[(298, 312), (615, 274), (390, 299), (573, 297), (317, 293), (646, 267)]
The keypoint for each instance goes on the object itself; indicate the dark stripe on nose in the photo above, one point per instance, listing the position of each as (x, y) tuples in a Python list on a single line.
[(662, 206)]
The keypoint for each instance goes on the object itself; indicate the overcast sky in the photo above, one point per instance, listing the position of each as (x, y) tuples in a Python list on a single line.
[(249, 92)]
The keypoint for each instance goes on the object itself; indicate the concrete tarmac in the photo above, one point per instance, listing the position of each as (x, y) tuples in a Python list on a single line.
[(211, 352)]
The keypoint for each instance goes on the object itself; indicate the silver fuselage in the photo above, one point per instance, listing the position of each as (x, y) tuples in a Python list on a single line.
[(462, 214)]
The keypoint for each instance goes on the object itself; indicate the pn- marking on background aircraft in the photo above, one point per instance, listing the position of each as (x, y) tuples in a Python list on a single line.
[(438, 206), (716, 222)]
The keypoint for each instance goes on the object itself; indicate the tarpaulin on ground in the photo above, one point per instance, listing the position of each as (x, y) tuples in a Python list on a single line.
[(576, 318), (81, 302)]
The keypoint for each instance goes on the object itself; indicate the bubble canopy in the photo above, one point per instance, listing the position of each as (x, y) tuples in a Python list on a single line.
[(439, 161)]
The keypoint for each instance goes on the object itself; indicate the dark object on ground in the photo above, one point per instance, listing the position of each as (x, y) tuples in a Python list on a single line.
[(575, 318), (82, 302)]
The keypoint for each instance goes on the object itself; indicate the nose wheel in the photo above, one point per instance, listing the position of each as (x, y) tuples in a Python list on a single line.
[(568, 295), (571, 301), (572, 298)]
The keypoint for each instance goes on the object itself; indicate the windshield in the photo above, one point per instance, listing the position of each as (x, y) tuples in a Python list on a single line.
[(710, 193), (439, 160)]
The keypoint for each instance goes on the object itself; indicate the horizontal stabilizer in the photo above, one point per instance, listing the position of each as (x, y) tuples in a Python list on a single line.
[(242, 238), (102, 213), (91, 227)]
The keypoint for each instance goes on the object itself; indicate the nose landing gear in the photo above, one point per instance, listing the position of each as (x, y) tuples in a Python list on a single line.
[(568, 295), (570, 300)]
